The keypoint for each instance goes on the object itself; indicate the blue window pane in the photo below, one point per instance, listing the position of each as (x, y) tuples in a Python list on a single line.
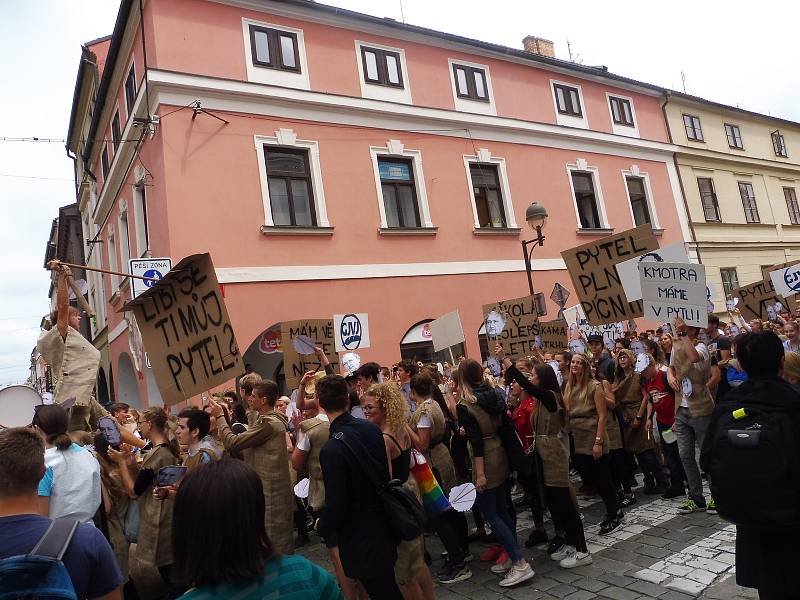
[(394, 171)]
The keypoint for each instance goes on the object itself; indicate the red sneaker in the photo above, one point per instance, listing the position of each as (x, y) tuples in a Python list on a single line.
[(492, 553), (504, 557)]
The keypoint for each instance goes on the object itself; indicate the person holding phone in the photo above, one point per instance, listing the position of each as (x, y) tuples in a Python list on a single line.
[(155, 513)]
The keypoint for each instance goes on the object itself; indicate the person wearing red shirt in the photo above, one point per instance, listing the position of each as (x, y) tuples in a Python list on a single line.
[(662, 402)]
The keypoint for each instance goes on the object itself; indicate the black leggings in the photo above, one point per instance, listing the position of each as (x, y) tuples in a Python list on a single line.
[(621, 472), (566, 515), (601, 476), (448, 526), (382, 587), (651, 467)]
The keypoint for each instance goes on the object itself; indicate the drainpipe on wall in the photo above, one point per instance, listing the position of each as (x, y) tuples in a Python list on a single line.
[(680, 180)]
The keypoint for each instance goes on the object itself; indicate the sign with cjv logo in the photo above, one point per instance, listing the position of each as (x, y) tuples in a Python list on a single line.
[(351, 331)]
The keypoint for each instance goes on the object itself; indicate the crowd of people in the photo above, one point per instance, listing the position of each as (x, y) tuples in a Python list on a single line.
[(207, 496)]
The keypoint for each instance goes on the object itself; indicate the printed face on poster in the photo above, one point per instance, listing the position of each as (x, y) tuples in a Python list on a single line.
[(512, 323), (592, 268), (187, 332), (299, 338), (446, 331), (351, 331), (672, 290)]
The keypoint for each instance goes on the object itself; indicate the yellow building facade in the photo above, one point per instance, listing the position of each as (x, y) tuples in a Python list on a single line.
[(740, 174)]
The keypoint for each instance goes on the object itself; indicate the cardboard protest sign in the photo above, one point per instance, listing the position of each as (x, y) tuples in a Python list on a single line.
[(671, 290), (765, 271), (592, 268), (299, 339), (186, 330), (629, 272), (512, 323), (554, 336), (351, 331), (446, 331), (754, 299), (786, 280)]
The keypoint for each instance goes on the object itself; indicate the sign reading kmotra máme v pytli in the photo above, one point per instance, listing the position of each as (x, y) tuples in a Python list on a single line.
[(186, 330), (671, 290)]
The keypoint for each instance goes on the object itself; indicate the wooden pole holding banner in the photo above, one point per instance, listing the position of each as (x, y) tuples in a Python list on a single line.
[(108, 272)]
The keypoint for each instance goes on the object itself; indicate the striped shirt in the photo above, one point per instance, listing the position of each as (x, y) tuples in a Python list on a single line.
[(288, 578)]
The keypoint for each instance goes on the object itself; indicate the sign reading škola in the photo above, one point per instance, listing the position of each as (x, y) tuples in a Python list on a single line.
[(592, 268), (186, 330), (512, 323), (671, 290)]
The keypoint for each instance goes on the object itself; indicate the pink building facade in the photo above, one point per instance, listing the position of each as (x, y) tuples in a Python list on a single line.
[(342, 163)]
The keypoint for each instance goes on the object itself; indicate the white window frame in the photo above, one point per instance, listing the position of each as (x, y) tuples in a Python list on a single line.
[(124, 227), (258, 74), (484, 156), (622, 129), (569, 120), (113, 261), (287, 138), (651, 205), (383, 92), (464, 104), (131, 65), (396, 149), (582, 166)]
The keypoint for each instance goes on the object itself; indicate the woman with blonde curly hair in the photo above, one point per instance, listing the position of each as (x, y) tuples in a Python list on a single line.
[(385, 406)]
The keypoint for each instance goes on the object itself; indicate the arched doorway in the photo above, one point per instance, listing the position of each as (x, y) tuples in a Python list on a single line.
[(153, 394), (128, 391), (265, 356), (417, 345), (102, 388)]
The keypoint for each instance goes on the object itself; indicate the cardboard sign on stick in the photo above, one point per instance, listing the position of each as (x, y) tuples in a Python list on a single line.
[(629, 272), (671, 290), (755, 297), (318, 331), (446, 331), (186, 330), (554, 336), (512, 323), (592, 268)]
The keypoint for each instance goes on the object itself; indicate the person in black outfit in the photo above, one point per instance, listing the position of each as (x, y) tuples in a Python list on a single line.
[(764, 559), (353, 511)]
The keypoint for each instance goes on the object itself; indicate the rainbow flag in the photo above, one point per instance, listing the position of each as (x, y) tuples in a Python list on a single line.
[(433, 499)]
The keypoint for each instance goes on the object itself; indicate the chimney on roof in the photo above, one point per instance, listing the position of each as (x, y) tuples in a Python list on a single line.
[(537, 45)]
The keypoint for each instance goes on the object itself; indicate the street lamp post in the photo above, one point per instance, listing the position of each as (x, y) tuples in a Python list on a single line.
[(536, 216)]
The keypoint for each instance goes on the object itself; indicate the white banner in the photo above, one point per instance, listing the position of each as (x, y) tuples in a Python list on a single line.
[(351, 332), (786, 281)]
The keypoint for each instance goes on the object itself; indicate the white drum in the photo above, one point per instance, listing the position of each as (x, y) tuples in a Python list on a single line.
[(17, 404)]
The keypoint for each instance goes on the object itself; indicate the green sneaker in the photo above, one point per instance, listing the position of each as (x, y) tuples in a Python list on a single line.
[(712, 506), (690, 506)]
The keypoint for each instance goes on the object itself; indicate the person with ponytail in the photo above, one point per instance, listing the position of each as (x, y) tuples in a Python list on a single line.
[(480, 411), (71, 483), (155, 510)]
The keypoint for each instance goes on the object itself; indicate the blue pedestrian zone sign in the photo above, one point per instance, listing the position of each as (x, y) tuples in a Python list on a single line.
[(152, 268)]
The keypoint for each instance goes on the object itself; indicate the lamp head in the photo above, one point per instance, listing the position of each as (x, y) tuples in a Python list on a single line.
[(536, 216)]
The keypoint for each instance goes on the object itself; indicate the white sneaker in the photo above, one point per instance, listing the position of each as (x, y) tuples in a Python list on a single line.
[(562, 553), (517, 575), (502, 567), (576, 559)]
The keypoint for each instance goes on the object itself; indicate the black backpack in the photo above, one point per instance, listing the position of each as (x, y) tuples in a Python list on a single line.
[(753, 465), (404, 513)]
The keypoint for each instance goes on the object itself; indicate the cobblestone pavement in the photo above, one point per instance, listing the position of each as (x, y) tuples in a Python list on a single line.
[(656, 553)]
